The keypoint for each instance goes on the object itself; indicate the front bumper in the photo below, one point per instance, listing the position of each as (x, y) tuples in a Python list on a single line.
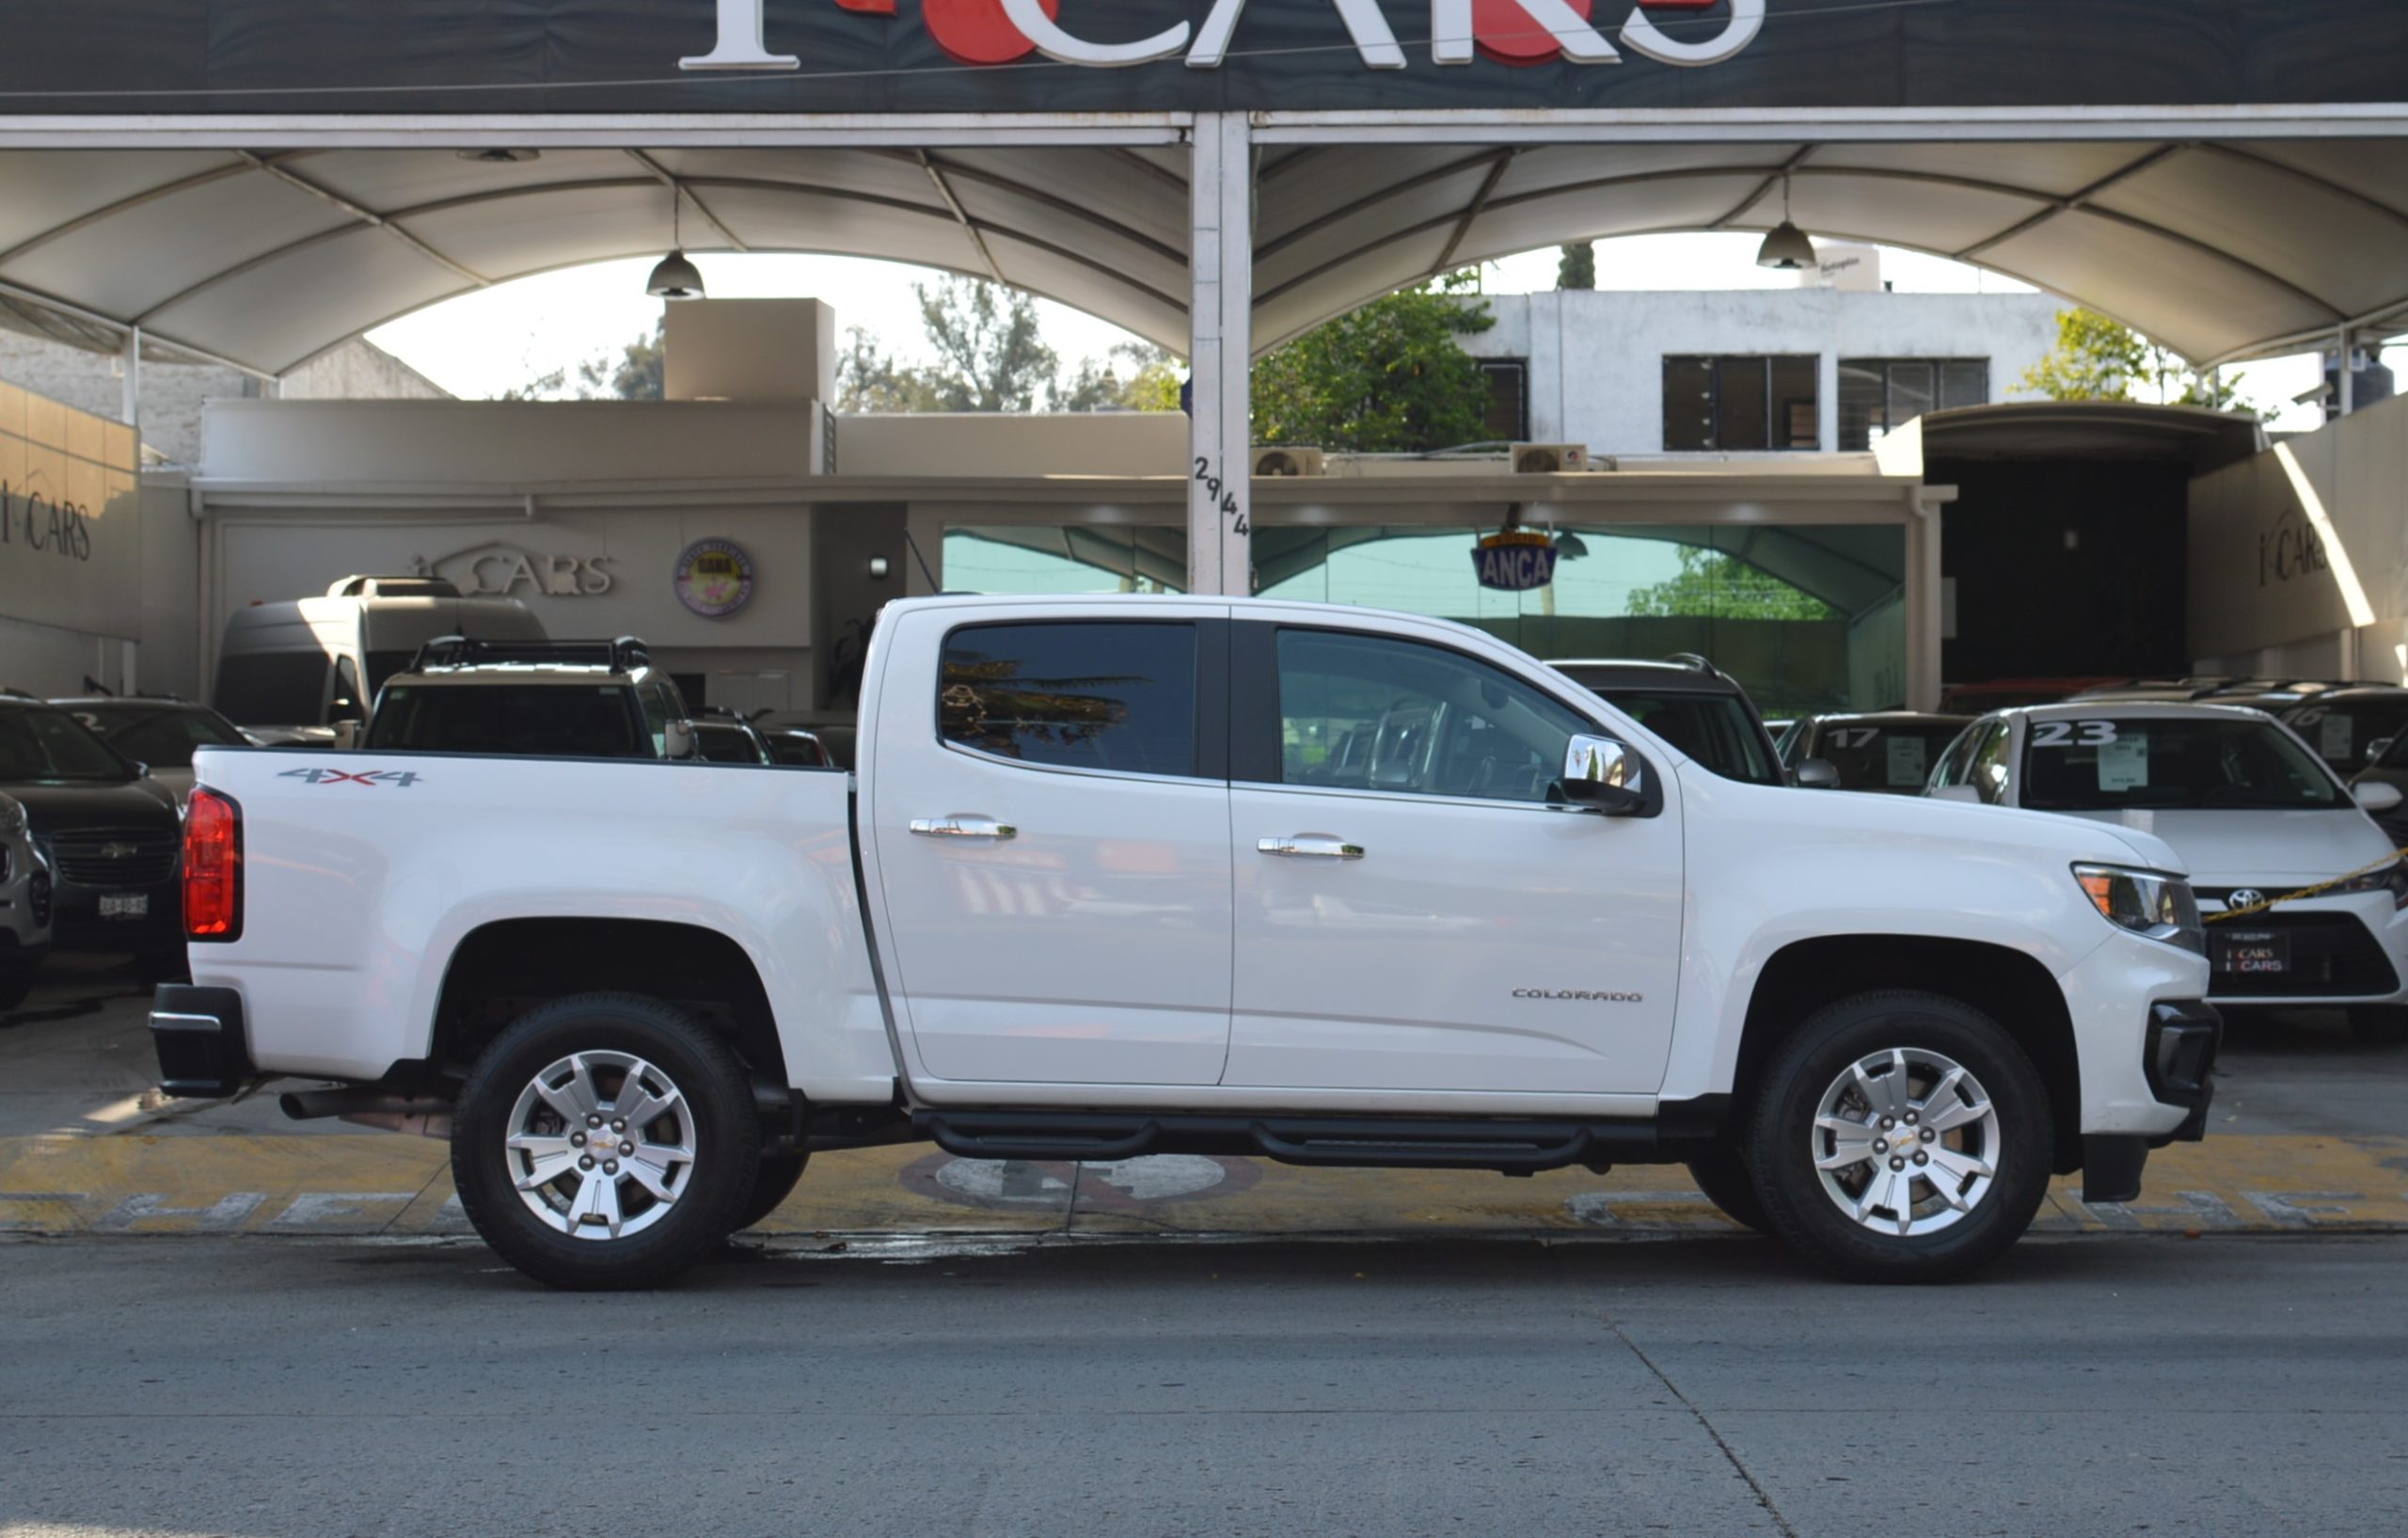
[(2343, 950), (2178, 1061), (203, 1050), (80, 925)]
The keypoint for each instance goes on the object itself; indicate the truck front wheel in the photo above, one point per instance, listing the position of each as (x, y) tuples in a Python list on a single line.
[(606, 1141), (1901, 1136)]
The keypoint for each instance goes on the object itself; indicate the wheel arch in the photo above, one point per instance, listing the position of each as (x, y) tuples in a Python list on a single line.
[(2008, 984), (504, 968)]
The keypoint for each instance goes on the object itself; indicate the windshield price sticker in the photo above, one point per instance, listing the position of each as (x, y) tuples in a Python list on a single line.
[(2333, 736), (2123, 764), (1908, 760)]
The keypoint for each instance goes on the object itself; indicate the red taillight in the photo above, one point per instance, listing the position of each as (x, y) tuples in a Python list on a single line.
[(212, 867)]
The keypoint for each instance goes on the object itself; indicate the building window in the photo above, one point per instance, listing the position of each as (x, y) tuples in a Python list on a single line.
[(1879, 395), (1509, 399), (1741, 403)]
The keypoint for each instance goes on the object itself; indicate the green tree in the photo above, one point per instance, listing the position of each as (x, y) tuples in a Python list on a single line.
[(1150, 381), (2099, 358), (1578, 268), (1390, 377), (989, 357), (1712, 585), (870, 379), (641, 372)]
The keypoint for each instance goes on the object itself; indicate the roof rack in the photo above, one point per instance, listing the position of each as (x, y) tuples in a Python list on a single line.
[(618, 655), (1695, 664)]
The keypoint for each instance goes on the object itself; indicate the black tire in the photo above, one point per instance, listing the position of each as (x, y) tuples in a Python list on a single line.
[(2379, 1025), (1782, 1140), (1724, 1177), (725, 1134), (775, 1181)]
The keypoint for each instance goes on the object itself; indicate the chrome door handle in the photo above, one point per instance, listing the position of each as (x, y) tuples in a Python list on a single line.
[(959, 826), (1323, 846)]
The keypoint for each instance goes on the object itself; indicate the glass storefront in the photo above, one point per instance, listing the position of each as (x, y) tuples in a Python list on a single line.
[(1807, 618)]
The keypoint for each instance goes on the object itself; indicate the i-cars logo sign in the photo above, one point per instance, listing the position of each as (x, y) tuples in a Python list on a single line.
[(1507, 31)]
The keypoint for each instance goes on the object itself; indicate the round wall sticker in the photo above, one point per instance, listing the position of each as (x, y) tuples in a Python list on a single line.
[(714, 578)]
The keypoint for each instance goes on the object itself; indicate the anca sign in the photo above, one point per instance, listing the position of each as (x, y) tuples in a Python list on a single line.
[(1519, 561), (1508, 31)]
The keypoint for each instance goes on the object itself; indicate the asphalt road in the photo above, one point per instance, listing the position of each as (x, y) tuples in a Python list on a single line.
[(2087, 1385)]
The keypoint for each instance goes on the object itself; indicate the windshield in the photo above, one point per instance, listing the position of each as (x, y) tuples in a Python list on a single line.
[(161, 738), (1713, 729), (52, 746), (2168, 762), (725, 745), (1891, 756), (2344, 731), (549, 721)]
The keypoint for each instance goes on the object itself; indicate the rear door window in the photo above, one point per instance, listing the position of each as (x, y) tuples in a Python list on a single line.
[(1713, 729), (1109, 696), (542, 721)]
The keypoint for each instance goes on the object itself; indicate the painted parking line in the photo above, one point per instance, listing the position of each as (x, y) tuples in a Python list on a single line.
[(384, 1184)]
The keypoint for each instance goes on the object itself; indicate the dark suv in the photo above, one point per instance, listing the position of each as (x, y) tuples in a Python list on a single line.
[(111, 835), (1693, 705)]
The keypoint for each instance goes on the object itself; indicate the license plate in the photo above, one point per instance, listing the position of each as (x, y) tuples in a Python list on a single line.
[(2253, 952), (125, 905)]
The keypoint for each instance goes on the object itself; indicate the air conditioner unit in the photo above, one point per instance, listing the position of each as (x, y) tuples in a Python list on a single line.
[(1283, 461), (1549, 458)]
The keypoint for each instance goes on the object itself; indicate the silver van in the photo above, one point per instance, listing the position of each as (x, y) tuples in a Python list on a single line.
[(316, 663)]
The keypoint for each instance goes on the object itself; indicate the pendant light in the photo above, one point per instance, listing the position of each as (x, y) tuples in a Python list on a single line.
[(675, 278), (1786, 247)]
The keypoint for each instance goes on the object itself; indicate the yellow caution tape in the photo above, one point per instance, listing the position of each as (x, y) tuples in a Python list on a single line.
[(2342, 880)]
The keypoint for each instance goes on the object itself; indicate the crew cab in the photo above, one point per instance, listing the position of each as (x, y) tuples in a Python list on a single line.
[(1103, 883)]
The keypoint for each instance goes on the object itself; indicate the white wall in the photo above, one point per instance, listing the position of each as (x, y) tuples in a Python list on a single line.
[(985, 443), (2299, 557), (434, 443), (1596, 357)]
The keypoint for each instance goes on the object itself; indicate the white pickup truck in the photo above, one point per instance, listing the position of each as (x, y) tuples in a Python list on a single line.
[(1143, 874)]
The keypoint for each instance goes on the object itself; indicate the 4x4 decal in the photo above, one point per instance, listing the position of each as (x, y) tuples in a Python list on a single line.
[(403, 778)]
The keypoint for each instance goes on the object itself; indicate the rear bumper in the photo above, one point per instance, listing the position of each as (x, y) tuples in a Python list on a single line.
[(197, 1032)]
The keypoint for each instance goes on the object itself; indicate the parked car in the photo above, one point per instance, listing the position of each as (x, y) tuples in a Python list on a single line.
[(2349, 726), (1084, 899), (2389, 767), (1888, 751), (2304, 895), (1691, 703), (556, 698), (108, 833), (159, 734), (795, 748), (25, 904), (318, 663), (720, 740)]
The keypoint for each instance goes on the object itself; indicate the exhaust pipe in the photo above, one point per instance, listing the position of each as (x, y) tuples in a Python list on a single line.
[(422, 1115)]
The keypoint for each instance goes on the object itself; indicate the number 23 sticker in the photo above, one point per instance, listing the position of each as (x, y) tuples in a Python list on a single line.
[(2073, 733)]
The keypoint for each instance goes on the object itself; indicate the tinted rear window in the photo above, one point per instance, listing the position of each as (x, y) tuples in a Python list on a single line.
[(1713, 729), (1117, 697), (272, 688), (553, 720)]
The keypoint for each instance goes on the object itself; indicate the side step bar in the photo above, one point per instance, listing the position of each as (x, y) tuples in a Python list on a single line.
[(1380, 1142)]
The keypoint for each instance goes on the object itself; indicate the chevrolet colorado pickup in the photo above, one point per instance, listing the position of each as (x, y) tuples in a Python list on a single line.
[(1122, 875)]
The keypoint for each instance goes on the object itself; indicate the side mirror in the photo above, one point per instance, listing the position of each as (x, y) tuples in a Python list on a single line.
[(2376, 749), (2376, 795), (1967, 793), (678, 740), (1818, 774), (1603, 775), (141, 770), (347, 735)]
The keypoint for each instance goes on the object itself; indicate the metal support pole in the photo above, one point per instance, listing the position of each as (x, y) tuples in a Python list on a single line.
[(131, 413), (1922, 608), (1220, 320), (2344, 383)]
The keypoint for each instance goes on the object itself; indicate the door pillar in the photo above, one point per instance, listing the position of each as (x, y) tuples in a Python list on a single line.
[(1220, 314)]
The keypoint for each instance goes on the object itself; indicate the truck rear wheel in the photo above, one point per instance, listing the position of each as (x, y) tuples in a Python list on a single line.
[(1901, 1138), (606, 1141)]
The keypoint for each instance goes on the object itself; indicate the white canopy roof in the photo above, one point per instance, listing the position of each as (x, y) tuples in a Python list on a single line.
[(2219, 249)]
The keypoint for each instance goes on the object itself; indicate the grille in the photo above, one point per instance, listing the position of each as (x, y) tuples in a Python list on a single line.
[(2331, 954), (113, 857)]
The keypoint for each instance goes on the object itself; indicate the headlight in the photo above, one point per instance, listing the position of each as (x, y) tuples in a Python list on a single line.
[(12, 818), (2146, 902), (2392, 878)]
